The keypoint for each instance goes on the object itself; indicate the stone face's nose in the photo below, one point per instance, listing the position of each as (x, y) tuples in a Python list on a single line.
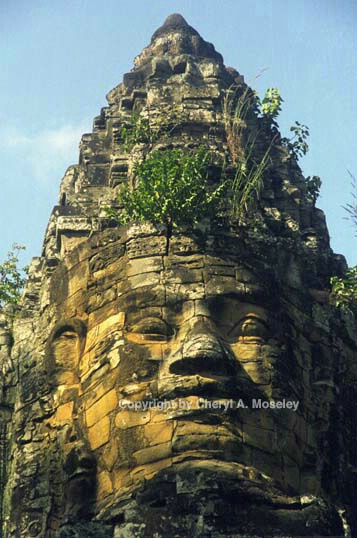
[(80, 460), (202, 352)]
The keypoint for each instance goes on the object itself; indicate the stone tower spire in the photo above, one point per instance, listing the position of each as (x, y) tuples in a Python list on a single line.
[(178, 77)]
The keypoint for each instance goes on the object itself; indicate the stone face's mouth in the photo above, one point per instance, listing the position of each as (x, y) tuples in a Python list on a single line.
[(85, 471), (213, 387), (81, 473), (196, 406)]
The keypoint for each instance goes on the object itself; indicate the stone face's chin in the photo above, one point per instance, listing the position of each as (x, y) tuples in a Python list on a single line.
[(193, 498)]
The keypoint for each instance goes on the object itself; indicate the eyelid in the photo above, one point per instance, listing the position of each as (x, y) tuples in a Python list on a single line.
[(68, 335), (151, 326), (249, 325)]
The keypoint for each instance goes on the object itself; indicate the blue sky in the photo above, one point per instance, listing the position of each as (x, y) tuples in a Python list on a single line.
[(59, 59)]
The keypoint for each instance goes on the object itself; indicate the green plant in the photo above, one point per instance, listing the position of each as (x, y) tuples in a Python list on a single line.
[(248, 181), (271, 103), (171, 188), (297, 145), (237, 103), (250, 168), (147, 128), (313, 185), (12, 279), (139, 131), (344, 290)]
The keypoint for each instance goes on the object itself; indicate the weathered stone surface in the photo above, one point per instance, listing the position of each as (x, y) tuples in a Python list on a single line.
[(149, 381)]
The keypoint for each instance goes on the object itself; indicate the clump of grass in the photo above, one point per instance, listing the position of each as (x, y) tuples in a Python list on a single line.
[(239, 102)]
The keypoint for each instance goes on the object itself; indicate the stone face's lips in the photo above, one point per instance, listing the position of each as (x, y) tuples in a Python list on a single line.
[(219, 389), (82, 473)]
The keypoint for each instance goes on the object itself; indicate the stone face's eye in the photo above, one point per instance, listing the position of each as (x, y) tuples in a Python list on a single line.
[(67, 335), (152, 329), (251, 328)]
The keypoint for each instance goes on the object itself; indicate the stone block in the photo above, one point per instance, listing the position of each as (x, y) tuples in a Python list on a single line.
[(144, 247), (102, 407), (257, 372), (247, 352), (149, 470), (121, 478), (104, 485), (100, 389), (146, 279), (259, 438), (98, 434), (154, 453), (112, 323), (156, 434), (129, 418), (140, 266), (110, 455), (63, 415)]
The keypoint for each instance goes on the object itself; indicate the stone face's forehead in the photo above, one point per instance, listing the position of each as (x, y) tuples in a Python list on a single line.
[(168, 282)]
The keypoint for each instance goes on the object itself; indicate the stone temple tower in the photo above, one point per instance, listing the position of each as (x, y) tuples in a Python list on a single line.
[(196, 383)]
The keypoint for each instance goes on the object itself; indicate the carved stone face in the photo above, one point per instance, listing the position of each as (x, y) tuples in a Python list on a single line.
[(182, 355), (80, 467)]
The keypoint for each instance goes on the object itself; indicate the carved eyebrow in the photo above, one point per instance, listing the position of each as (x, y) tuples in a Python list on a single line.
[(151, 324), (76, 326), (258, 295), (134, 299)]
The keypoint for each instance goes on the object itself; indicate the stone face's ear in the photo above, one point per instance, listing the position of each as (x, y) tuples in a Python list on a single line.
[(64, 349)]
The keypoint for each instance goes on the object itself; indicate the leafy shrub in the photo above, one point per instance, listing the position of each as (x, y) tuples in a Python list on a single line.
[(313, 188), (11, 279), (171, 188), (297, 145), (271, 103), (344, 290), (139, 131), (147, 128)]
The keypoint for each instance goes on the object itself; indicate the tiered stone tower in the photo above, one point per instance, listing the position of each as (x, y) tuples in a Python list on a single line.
[(195, 384)]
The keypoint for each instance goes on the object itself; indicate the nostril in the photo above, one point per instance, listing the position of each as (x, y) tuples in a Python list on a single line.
[(87, 462), (202, 355), (203, 364)]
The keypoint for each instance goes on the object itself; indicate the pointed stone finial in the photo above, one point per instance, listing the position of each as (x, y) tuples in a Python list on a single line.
[(175, 21)]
